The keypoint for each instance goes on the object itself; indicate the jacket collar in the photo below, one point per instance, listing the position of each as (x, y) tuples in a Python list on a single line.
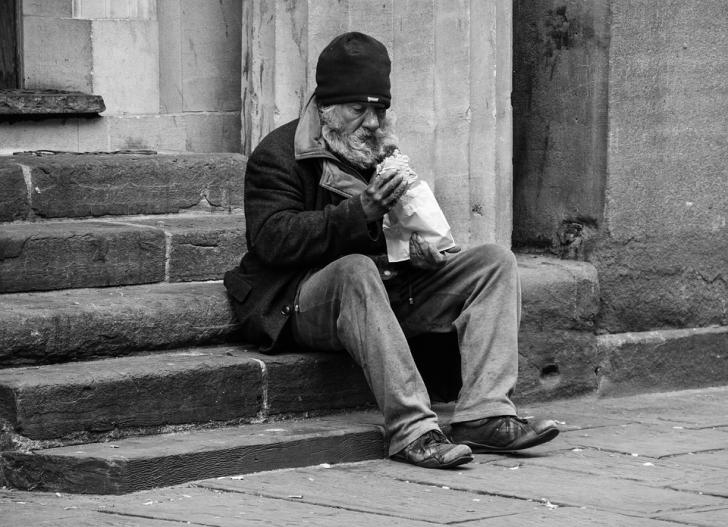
[(308, 144)]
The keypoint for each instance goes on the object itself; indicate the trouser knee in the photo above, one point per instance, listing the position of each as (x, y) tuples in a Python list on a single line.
[(358, 274)]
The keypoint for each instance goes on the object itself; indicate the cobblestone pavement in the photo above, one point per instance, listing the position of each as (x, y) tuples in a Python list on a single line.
[(646, 460)]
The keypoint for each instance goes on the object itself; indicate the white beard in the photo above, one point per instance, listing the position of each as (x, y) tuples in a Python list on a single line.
[(362, 148)]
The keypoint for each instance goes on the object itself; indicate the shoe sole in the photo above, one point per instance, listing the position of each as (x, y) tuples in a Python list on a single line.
[(454, 463), (479, 448)]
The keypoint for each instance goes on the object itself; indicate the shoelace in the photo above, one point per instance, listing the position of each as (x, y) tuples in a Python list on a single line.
[(433, 436)]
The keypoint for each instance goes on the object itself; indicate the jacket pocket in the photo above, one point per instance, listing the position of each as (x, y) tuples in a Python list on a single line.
[(237, 286)]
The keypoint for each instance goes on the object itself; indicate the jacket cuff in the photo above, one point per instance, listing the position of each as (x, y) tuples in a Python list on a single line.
[(360, 229)]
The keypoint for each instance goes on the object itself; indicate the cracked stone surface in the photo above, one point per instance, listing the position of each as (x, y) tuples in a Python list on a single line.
[(44, 102), (38, 257), (73, 186)]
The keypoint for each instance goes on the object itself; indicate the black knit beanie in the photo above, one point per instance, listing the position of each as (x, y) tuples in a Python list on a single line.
[(354, 67)]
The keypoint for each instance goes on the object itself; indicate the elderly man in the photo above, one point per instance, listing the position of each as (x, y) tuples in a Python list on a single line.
[(316, 272)]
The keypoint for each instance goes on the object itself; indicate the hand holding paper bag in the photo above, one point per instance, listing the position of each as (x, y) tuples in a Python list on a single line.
[(416, 211)]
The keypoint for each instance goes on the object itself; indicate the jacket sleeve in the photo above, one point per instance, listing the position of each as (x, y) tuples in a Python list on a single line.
[(282, 233)]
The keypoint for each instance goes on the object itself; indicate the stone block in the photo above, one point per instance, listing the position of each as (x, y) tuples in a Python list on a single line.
[(559, 294), (302, 382), (662, 360), (55, 9), (45, 102), (190, 386), (57, 54), (554, 364), (126, 65), (213, 132), (49, 134), (201, 247), (656, 282), (79, 324), (58, 255), (161, 133), (13, 193), (97, 185), (170, 56), (210, 39), (93, 135)]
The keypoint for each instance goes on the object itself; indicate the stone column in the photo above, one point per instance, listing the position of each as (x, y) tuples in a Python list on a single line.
[(451, 85)]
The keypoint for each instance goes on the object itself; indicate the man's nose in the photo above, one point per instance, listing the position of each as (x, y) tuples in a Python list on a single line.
[(371, 120)]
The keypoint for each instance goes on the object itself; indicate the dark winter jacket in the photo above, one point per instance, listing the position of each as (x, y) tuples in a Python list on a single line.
[(302, 211)]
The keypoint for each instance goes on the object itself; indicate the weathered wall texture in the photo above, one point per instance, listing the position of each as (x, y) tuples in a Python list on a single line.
[(652, 193), (451, 81), (168, 70), (560, 55), (666, 262)]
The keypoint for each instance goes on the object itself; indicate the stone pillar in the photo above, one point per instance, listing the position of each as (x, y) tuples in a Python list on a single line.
[(451, 85)]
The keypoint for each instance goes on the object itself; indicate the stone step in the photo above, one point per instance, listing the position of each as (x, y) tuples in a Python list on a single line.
[(660, 360), (195, 385), (145, 462), (84, 185), (80, 324), (50, 255), (560, 301)]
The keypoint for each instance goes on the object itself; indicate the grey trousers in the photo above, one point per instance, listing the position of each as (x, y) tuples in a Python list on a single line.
[(347, 306)]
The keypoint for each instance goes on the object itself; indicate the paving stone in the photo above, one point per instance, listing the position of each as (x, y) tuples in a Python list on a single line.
[(717, 459), (651, 441), (705, 517), (58, 326), (201, 247), (152, 461), (24, 515), (227, 509), (314, 381), (195, 385), (560, 516), (561, 488), (662, 360), (370, 492), (654, 472), (71, 185), (704, 408), (13, 194), (715, 486), (717, 517), (60, 255)]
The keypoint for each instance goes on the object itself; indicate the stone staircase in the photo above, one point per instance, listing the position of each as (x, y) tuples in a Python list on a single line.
[(120, 364)]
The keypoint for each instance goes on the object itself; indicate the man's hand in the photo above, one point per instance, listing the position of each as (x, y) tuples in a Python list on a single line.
[(425, 256), (383, 192)]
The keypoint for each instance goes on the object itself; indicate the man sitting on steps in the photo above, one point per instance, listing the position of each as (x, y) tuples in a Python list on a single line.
[(316, 272)]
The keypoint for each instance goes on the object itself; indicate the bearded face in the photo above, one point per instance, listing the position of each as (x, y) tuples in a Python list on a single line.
[(360, 133)]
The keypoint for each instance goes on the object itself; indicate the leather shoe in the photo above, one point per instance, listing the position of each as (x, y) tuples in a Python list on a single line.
[(506, 433), (434, 450)]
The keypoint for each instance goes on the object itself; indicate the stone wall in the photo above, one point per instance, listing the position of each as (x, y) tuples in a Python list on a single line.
[(451, 83), (168, 70), (561, 61), (622, 129)]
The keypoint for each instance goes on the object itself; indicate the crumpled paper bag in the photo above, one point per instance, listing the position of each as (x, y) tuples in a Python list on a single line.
[(416, 211)]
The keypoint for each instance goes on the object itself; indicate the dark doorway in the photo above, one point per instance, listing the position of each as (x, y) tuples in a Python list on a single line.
[(10, 77)]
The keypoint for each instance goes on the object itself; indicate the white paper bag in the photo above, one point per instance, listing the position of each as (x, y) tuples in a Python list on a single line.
[(416, 211)]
